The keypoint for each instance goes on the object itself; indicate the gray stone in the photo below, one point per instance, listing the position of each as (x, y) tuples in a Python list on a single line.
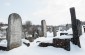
[(14, 31), (23, 35), (79, 27), (39, 32), (54, 31), (35, 35), (74, 22), (44, 28), (75, 27)]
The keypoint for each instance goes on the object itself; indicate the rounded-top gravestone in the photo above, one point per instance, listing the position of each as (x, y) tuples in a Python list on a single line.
[(14, 31), (44, 28)]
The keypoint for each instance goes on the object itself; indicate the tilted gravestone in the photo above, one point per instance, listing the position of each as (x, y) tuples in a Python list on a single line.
[(44, 28), (54, 31), (75, 27), (14, 31), (79, 27)]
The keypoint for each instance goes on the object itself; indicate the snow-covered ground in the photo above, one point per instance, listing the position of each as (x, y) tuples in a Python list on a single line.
[(34, 49)]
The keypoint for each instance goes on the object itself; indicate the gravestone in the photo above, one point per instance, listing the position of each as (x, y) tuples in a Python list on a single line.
[(79, 27), (62, 43), (44, 28), (35, 35), (14, 31), (54, 31), (67, 27), (39, 33), (75, 27)]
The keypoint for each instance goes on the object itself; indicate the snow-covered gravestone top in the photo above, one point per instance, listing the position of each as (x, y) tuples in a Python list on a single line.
[(14, 32)]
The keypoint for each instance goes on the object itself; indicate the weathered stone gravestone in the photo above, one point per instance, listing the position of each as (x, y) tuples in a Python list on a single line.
[(14, 31), (79, 27), (54, 31), (62, 43), (67, 27), (39, 33), (35, 35), (44, 28), (75, 27)]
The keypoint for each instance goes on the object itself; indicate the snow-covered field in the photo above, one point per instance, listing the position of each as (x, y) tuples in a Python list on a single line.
[(34, 49)]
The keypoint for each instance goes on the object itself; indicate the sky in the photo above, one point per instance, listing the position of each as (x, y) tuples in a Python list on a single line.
[(55, 12)]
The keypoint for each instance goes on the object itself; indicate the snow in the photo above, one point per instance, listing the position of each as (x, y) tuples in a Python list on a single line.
[(70, 31), (3, 43), (34, 49), (64, 37), (44, 39), (4, 27), (50, 34)]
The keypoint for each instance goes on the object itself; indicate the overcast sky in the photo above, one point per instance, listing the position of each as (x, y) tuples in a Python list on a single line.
[(55, 12)]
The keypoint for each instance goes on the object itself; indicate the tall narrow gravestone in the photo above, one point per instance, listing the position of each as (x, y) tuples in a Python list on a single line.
[(79, 27), (75, 27), (54, 31), (44, 28), (14, 31)]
